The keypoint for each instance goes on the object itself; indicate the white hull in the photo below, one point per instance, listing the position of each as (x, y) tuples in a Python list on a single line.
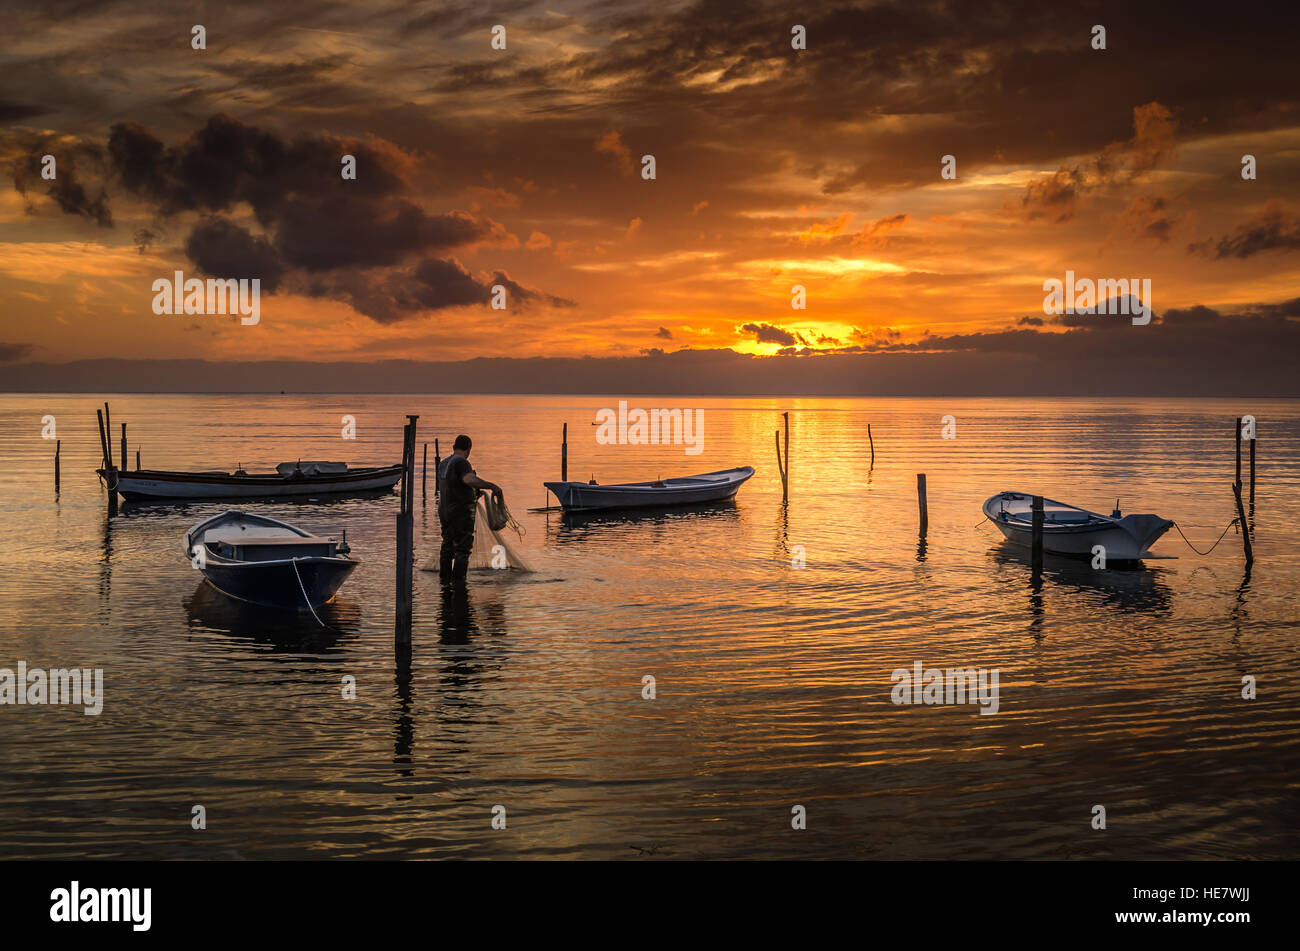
[(1068, 530)]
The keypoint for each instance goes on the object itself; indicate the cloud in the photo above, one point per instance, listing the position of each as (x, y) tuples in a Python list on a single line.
[(611, 143), (431, 285), (770, 333), (1056, 196), (319, 229), (1149, 216), (1274, 228), (66, 188), (11, 352), (222, 249), (664, 333)]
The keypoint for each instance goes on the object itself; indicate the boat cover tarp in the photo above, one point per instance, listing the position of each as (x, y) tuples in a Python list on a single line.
[(311, 468)]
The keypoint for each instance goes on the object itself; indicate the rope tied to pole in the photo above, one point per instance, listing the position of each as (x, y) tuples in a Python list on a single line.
[(1212, 547)]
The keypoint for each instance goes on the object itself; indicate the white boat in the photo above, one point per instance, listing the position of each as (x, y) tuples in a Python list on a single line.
[(265, 561), (289, 479), (1068, 530), (686, 490)]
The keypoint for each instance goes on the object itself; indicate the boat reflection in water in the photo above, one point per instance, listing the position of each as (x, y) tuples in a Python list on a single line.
[(578, 526), (209, 609), (1129, 586)]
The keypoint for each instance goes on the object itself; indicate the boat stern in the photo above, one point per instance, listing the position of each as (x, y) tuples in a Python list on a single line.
[(1145, 530)]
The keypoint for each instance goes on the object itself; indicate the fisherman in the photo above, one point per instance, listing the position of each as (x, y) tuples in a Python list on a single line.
[(458, 489)]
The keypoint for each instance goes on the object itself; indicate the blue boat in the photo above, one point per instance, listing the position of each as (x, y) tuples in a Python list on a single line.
[(267, 562)]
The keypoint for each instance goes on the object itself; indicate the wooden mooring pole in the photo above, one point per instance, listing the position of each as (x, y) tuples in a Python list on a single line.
[(564, 455), (424, 478), (1036, 559), (1238, 438), (58, 444), (922, 502), (1253, 440), (437, 461), (781, 467), (1243, 525), (406, 535), (137, 460), (103, 440), (872, 443), (124, 462), (786, 417)]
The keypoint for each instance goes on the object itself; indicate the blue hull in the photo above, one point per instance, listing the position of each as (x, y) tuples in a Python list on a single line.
[(276, 585)]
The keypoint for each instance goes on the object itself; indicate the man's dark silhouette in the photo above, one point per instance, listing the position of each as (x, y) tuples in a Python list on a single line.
[(457, 494)]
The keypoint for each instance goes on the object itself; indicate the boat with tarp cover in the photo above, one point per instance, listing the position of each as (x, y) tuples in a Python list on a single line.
[(288, 479)]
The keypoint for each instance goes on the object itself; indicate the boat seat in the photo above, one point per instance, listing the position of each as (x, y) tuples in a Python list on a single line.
[(1069, 518)]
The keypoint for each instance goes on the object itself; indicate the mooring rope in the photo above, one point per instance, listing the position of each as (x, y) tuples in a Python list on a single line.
[(1176, 525), (303, 589), (1212, 547)]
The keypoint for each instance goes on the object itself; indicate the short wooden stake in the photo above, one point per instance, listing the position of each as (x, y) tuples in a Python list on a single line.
[(922, 501), (137, 460)]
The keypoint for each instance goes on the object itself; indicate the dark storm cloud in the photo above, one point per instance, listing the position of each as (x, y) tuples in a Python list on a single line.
[(769, 333), (222, 249), (431, 285), (341, 230), (66, 189), (314, 220), (226, 162), (11, 352), (18, 111), (1274, 228)]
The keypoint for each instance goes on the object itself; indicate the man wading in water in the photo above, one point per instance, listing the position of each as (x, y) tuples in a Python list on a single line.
[(457, 494)]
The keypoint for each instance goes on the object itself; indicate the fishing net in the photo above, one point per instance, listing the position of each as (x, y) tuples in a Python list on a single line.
[(492, 552), (491, 549)]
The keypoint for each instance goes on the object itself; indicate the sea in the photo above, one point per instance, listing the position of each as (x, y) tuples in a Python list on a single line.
[(713, 683)]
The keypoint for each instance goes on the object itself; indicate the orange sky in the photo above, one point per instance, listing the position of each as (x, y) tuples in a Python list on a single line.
[(775, 167)]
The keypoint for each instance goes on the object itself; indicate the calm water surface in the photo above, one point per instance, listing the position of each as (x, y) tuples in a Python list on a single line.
[(1117, 687)]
